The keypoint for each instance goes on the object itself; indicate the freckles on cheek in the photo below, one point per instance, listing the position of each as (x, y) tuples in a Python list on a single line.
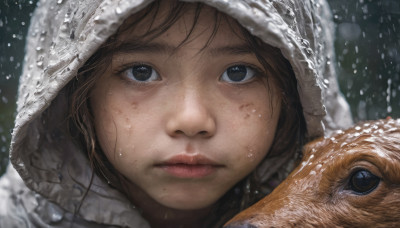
[(250, 111), (258, 126)]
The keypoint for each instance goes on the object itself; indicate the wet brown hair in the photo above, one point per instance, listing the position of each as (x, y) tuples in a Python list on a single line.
[(291, 128)]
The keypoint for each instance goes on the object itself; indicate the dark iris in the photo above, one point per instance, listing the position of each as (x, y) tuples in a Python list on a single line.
[(363, 182), (142, 72), (236, 73)]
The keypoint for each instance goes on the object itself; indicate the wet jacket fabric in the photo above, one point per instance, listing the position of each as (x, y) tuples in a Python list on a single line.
[(49, 173)]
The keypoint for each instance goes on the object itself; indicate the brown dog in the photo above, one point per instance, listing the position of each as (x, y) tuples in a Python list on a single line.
[(351, 179)]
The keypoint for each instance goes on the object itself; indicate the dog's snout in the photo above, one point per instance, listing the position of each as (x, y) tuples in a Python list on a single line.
[(240, 225)]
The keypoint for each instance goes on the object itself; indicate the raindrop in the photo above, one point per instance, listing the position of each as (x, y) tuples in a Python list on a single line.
[(56, 214), (349, 31), (4, 99), (118, 10), (59, 1)]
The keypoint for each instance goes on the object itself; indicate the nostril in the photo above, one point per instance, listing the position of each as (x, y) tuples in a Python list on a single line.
[(240, 225), (203, 132)]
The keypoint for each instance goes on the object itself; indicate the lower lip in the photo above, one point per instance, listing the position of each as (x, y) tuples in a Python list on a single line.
[(189, 171)]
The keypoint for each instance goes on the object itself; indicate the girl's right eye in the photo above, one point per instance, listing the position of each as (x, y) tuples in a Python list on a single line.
[(141, 73)]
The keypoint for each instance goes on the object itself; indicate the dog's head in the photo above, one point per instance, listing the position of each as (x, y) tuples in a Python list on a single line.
[(349, 179)]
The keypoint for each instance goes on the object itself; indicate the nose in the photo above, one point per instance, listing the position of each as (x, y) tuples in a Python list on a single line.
[(191, 116)]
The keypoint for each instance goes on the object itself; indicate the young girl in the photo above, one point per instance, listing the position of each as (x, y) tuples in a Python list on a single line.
[(165, 113)]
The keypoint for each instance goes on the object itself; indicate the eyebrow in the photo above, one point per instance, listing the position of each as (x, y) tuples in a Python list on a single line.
[(154, 47)]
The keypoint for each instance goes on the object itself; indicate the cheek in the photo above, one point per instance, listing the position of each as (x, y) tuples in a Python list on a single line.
[(257, 126), (112, 125)]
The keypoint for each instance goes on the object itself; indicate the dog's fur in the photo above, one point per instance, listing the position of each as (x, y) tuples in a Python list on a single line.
[(318, 193)]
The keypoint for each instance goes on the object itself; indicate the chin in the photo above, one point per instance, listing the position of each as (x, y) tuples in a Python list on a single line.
[(189, 203)]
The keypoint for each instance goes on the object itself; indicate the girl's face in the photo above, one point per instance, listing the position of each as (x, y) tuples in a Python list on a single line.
[(184, 124)]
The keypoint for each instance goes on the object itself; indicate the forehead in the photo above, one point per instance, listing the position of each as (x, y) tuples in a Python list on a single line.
[(180, 24)]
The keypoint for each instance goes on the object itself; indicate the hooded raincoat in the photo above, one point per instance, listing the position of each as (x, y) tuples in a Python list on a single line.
[(49, 174)]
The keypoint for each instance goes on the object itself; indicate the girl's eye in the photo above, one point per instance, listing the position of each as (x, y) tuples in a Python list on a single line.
[(238, 73), (141, 73)]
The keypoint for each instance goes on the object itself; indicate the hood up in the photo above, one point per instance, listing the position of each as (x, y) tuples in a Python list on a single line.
[(64, 34)]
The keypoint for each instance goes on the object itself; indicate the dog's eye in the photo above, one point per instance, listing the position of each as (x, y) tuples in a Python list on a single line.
[(363, 182)]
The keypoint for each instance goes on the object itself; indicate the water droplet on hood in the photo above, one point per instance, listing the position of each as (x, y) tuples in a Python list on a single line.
[(118, 10), (56, 214)]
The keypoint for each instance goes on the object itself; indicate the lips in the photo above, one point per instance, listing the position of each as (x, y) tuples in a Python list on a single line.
[(189, 166)]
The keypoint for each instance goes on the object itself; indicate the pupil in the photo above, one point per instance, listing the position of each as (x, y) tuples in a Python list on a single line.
[(364, 181), (237, 73), (141, 73)]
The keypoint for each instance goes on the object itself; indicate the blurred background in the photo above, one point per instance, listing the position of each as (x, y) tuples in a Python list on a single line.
[(367, 51)]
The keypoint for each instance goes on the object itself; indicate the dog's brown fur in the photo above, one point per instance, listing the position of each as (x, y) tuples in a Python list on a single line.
[(318, 194)]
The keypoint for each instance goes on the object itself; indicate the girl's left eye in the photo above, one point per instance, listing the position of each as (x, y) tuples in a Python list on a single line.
[(141, 73), (238, 74)]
